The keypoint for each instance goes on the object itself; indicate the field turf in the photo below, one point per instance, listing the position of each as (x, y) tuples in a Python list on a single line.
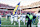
[(7, 23)]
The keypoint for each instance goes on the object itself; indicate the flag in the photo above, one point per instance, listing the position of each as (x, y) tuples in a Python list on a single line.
[(14, 12)]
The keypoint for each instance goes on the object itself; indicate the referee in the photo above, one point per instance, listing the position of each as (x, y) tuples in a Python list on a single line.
[(29, 19)]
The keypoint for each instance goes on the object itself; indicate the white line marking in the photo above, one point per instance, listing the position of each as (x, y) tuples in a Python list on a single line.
[(13, 25)]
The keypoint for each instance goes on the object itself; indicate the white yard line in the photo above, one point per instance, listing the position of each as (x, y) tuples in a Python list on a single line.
[(13, 25), (18, 25)]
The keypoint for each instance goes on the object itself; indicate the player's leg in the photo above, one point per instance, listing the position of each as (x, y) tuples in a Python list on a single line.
[(30, 23), (14, 23), (19, 22), (11, 22), (11, 19), (27, 23), (24, 20), (6, 17), (15, 20)]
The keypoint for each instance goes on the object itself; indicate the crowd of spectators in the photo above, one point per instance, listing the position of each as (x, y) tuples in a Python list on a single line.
[(11, 11)]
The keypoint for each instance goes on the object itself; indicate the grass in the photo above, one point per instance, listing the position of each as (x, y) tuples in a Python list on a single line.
[(7, 23)]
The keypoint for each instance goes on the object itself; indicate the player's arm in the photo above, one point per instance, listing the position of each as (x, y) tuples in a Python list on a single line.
[(27, 18)]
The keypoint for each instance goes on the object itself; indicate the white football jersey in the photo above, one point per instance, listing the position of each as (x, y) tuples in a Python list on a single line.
[(0, 16), (38, 17)]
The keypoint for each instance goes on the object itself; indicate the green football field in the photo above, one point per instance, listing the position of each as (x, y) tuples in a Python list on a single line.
[(7, 23)]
